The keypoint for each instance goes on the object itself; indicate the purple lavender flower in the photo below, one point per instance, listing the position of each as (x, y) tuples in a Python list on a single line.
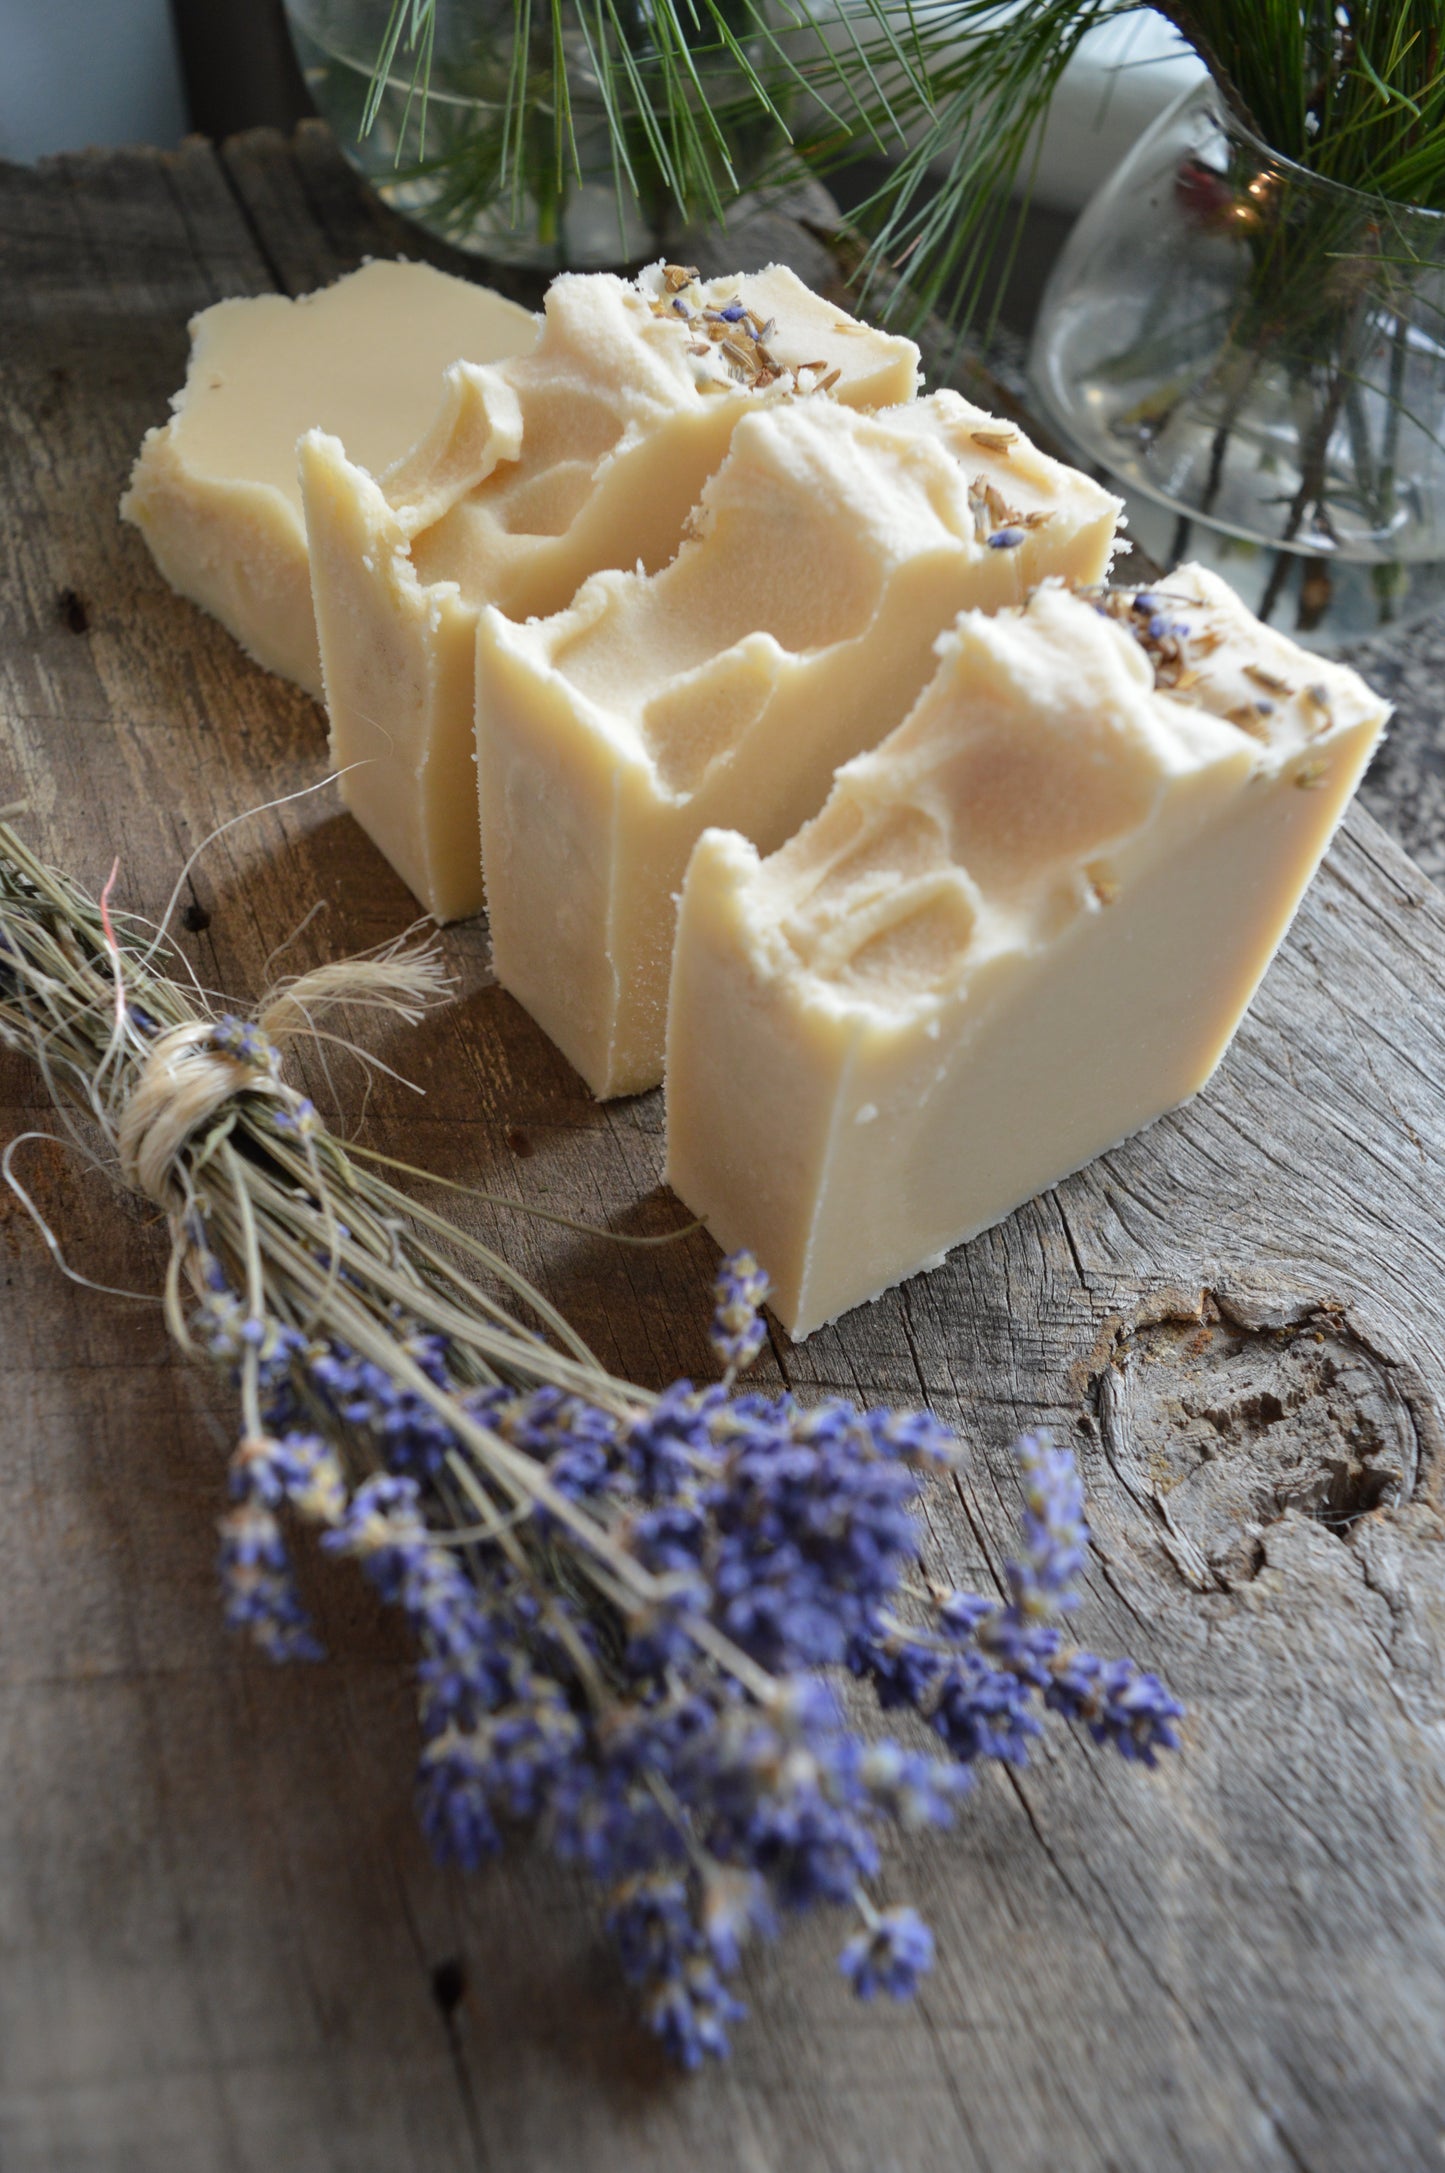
[(902, 1669), (961, 1614), (609, 1822), (808, 1846), (735, 1907), (650, 1920), (243, 1039), (911, 1789), (453, 1800), (738, 1330), (668, 1537), (1118, 1702), (409, 1435), (300, 1122), (469, 1655), (889, 1954), (1056, 1538), (708, 1808), (297, 1468), (664, 1953), (690, 2014), (914, 1437), (259, 1588), (580, 1470), (976, 1672), (667, 1447), (507, 1765), (576, 1442), (983, 1711), (1027, 1647), (544, 1422), (660, 1635), (812, 1527), (383, 1528), (230, 1330)]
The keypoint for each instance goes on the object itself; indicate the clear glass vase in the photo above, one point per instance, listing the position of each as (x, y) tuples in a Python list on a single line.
[(1256, 357), (477, 163)]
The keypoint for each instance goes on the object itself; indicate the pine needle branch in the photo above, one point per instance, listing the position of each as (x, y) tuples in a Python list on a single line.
[(958, 95)]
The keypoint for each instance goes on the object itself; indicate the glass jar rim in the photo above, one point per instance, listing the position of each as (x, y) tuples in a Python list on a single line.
[(1207, 92)]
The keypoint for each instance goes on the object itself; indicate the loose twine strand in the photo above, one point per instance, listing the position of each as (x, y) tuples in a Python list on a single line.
[(175, 1086), (161, 1109)]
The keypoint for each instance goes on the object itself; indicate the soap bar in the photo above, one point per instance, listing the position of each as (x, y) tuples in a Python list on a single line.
[(1023, 927), (588, 453), (793, 629), (215, 490)]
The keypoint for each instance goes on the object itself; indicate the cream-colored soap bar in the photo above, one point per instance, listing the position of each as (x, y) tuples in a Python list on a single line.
[(215, 491), (1022, 928), (792, 630), (588, 453)]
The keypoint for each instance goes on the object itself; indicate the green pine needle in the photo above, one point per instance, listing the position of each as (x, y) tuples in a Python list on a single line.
[(700, 96)]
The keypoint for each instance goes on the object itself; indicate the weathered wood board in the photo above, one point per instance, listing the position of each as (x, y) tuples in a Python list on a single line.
[(222, 1945)]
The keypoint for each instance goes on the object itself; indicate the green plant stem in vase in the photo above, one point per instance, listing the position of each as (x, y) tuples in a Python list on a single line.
[(565, 137), (1253, 350), (1246, 327)]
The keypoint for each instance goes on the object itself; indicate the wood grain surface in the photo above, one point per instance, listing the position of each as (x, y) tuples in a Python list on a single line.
[(222, 1945)]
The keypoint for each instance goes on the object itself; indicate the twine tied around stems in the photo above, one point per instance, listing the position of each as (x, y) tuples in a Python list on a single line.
[(184, 1082), (191, 1071)]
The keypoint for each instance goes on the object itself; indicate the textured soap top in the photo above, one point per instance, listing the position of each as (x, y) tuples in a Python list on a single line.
[(1012, 488), (815, 511), (794, 626), (617, 360), (1007, 803), (266, 367), (1206, 648)]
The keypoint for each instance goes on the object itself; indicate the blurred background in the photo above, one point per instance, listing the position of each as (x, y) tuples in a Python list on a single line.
[(154, 70), (109, 72), (82, 72)]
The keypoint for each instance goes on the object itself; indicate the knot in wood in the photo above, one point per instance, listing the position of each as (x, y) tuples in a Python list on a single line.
[(1224, 1421)]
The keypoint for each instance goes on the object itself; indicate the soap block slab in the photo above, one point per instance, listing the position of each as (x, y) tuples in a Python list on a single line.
[(794, 628), (1022, 928), (589, 452), (215, 491)]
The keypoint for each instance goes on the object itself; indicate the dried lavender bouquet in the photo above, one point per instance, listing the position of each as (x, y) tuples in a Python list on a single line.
[(631, 1610)]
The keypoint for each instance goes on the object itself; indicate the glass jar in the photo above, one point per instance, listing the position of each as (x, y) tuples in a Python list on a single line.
[(477, 161), (1254, 356)]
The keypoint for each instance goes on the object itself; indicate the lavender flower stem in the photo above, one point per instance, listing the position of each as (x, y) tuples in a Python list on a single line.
[(627, 1604), (528, 1487), (492, 1262)]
